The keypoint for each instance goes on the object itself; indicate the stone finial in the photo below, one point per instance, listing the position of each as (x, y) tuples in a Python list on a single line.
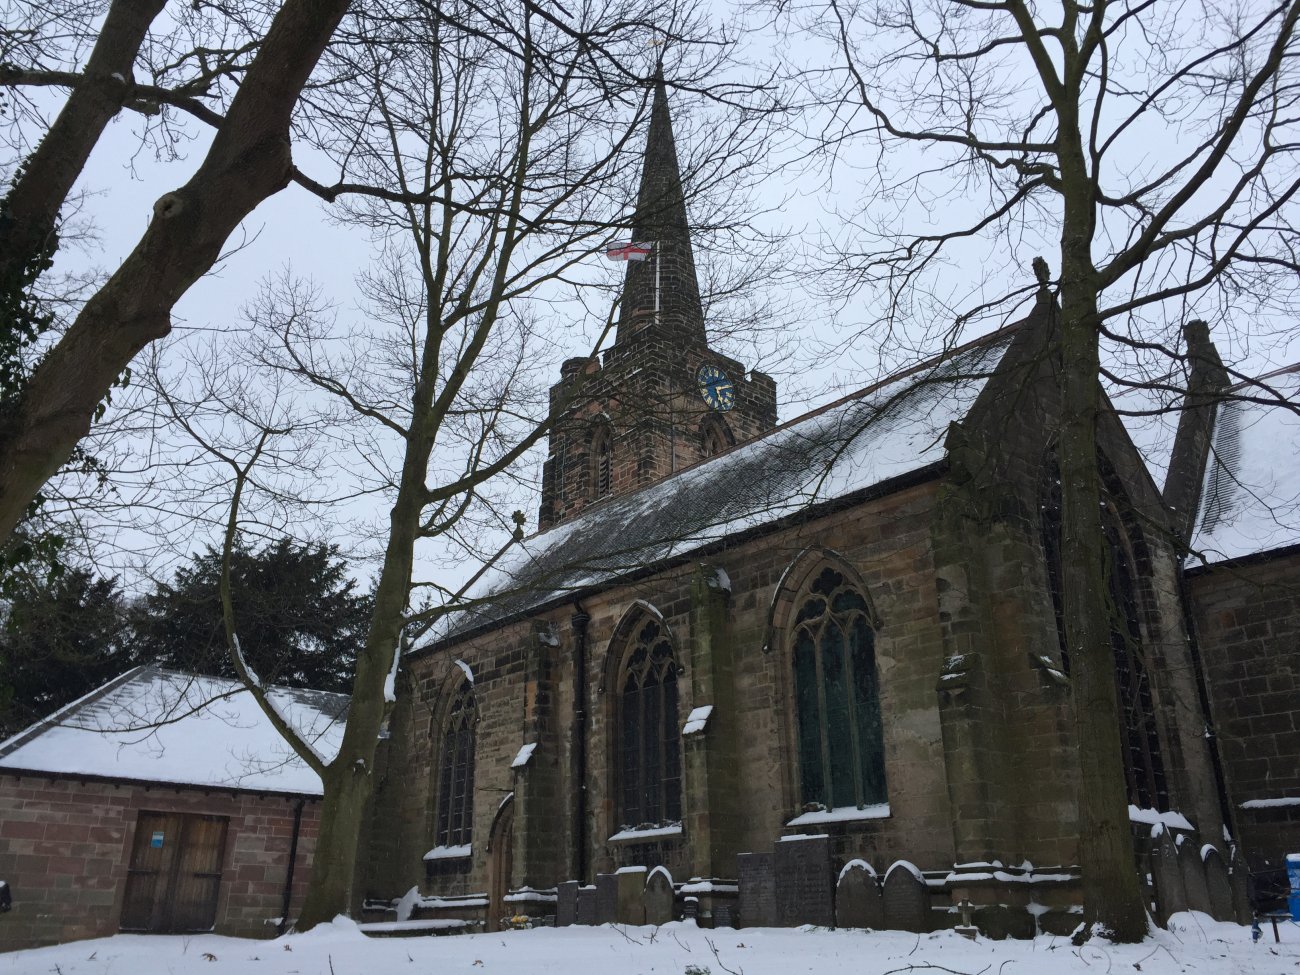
[(1042, 272)]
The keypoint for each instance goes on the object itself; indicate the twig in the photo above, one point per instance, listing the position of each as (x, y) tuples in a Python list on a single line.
[(714, 948)]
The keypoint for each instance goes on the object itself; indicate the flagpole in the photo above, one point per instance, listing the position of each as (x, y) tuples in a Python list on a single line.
[(657, 249)]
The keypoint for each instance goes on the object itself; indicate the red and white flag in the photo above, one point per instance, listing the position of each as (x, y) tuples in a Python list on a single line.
[(629, 250)]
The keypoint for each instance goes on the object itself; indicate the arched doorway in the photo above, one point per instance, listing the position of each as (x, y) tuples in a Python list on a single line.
[(501, 844)]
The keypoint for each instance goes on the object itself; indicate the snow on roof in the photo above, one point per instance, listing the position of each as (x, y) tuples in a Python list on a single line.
[(1250, 501), (156, 725), (884, 432)]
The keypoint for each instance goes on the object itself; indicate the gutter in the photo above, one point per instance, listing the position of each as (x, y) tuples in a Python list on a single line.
[(817, 509)]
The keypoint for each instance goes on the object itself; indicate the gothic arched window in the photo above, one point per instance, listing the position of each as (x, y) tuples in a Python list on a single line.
[(602, 461), (837, 698), (714, 436), (650, 772), (455, 821), (1144, 769)]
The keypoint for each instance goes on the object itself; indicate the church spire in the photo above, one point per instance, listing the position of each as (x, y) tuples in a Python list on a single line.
[(668, 274)]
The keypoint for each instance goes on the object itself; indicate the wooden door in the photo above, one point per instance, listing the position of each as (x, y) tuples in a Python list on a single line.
[(500, 866), (175, 873)]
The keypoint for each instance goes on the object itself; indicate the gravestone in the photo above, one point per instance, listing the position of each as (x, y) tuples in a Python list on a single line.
[(723, 916), (606, 898), (631, 884), (905, 900), (1218, 886), (566, 903), (586, 905), (1167, 875), (657, 897), (757, 890), (1189, 858), (802, 872), (857, 898)]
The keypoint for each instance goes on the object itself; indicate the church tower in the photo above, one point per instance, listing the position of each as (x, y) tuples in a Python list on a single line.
[(659, 399)]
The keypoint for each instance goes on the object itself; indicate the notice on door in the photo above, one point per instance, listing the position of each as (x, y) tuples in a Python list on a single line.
[(156, 841)]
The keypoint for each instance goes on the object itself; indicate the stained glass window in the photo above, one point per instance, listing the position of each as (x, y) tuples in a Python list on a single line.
[(455, 821), (649, 752)]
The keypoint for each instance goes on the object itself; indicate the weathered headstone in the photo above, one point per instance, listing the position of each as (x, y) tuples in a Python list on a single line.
[(606, 898), (905, 900), (757, 890), (1218, 885), (631, 884), (857, 897), (804, 891), (566, 903), (657, 897), (723, 916), (1189, 858), (586, 905), (1167, 875)]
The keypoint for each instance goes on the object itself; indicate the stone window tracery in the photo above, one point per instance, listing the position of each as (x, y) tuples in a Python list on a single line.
[(649, 733), (455, 816), (837, 698)]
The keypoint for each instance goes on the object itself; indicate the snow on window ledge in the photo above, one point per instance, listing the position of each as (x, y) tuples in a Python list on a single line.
[(641, 835), (842, 814), (450, 852), (1280, 803)]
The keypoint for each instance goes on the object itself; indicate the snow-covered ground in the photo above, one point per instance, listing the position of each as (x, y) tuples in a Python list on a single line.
[(1194, 945)]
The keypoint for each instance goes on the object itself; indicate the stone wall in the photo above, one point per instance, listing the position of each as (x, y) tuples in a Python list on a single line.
[(1247, 619), (65, 847)]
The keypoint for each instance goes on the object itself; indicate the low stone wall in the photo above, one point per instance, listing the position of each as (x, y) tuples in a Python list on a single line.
[(65, 849)]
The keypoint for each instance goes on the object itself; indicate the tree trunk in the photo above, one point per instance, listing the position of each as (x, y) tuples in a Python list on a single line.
[(349, 780), (248, 161), (43, 184), (1112, 896)]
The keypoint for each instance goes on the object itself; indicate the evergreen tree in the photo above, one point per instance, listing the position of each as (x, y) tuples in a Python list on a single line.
[(61, 637), (300, 617)]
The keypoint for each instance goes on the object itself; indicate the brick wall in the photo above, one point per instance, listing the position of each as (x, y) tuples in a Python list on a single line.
[(1247, 621), (65, 847)]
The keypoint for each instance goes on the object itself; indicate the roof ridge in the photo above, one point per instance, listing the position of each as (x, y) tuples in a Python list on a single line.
[(930, 363)]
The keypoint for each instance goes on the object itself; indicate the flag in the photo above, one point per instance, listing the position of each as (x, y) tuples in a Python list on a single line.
[(629, 250)]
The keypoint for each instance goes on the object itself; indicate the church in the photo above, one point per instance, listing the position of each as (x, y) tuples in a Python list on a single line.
[(752, 673), (814, 672)]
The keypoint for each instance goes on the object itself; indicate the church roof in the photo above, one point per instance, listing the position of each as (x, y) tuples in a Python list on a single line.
[(861, 443), (155, 725), (1250, 503)]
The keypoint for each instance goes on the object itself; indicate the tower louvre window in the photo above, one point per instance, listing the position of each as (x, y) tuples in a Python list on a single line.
[(602, 462)]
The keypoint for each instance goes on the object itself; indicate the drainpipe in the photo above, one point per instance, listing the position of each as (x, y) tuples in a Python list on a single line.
[(293, 856), (1203, 692), (579, 621)]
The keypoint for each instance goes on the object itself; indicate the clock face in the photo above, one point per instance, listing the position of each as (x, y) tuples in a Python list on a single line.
[(716, 388)]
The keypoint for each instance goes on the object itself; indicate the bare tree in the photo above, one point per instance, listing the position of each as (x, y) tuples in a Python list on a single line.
[(507, 143), (1153, 148)]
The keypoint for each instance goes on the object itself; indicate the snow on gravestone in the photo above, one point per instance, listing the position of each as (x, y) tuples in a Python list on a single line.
[(906, 902), (1189, 858), (566, 903), (1167, 876), (857, 897), (657, 898), (757, 890), (1217, 884), (804, 892)]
